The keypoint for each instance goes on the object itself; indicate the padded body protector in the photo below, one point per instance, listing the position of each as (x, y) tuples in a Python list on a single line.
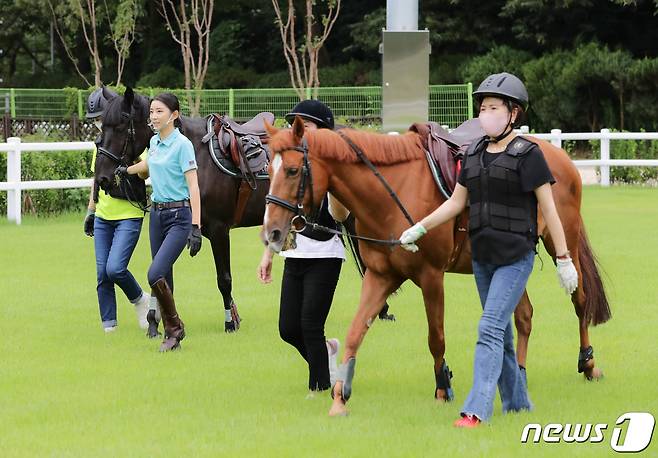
[(497, 201)]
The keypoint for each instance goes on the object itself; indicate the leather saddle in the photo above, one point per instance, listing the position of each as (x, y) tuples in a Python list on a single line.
[(240, 150), (444, 150), (255, 126)]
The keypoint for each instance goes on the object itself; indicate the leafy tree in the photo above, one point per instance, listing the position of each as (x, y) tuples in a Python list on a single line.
[(303, 59)]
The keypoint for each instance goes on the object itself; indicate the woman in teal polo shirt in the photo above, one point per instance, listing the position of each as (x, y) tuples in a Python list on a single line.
[(115, 225), (176, 207)]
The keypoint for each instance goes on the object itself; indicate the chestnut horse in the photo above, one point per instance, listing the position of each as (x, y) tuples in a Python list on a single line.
[(307, 164)]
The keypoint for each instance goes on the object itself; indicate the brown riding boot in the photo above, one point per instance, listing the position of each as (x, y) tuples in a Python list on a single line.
[(173, 326)]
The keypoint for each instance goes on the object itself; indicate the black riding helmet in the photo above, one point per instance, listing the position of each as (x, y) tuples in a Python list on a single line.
[(313, 110), (96, 103), (503, 85)]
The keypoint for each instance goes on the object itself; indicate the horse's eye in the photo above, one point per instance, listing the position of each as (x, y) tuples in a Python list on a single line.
[(292, 171)]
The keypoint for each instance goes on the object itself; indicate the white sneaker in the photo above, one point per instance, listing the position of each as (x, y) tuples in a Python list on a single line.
[(142, 309), (110, 329), (333, 346)]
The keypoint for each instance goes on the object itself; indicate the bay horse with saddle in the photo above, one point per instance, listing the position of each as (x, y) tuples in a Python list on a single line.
[(232, 163), (388, 183)]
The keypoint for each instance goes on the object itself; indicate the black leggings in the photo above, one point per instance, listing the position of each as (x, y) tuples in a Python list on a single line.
[(307, 290)]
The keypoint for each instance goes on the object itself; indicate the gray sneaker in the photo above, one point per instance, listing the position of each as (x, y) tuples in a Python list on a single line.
[(142, 308)]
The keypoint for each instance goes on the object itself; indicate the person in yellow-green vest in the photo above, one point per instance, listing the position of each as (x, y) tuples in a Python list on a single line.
[(115, 225)]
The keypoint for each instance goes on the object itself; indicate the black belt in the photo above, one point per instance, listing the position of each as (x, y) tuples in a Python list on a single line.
[(175, 204)]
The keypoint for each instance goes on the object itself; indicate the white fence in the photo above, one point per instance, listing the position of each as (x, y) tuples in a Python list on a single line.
[(14, 186), (14, 147), (557, 136)]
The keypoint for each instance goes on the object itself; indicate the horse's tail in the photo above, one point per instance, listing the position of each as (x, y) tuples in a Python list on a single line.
[(597, 309)]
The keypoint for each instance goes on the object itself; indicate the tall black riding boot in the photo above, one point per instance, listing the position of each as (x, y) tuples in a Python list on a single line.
[(173, 326)]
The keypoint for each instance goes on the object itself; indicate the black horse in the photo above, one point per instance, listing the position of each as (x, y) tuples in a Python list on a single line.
[(126, 135)]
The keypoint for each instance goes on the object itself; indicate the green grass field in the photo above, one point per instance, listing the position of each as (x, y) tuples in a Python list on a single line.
[(67, 389)]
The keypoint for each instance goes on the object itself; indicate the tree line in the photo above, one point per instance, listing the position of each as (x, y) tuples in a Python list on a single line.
[(587, 64)]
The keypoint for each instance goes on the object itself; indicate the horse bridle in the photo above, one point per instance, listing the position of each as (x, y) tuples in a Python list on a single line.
[(307, 175), (130, 139), (122, 160), (306, 180)]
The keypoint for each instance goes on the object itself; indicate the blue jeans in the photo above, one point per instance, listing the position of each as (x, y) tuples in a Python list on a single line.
[(168, 231), (114, 243), (500, 289)]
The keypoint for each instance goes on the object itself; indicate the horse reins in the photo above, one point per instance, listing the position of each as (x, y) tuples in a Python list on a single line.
[(307, 176), (373, 169)]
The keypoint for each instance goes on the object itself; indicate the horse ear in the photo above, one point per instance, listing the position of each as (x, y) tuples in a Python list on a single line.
[(128, 97), (271, 130), (109, 94), (298, 129)]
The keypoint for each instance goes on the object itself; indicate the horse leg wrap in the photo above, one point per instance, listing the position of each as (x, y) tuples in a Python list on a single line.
[(345, 375), (585, 355), (524, 376), (443, 377)]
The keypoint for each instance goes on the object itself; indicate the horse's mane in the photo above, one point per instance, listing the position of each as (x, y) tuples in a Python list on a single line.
[(112, 114), (381, 149)]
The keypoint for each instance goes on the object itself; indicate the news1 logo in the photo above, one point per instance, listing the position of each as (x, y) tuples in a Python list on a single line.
[(632, 432)]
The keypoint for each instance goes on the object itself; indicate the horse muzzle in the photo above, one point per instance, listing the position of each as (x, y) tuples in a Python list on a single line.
[(104, 183)]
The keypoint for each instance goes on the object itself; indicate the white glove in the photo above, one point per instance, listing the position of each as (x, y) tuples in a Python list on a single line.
[(412, 234), (567, 275)]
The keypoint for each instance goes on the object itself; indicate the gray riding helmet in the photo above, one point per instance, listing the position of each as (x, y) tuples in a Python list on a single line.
[(96, 103), (503, 85)]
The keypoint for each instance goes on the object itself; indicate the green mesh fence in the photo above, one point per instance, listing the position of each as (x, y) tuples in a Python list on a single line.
[(40, 103), (353, 103), (449, 104), (249, 102)]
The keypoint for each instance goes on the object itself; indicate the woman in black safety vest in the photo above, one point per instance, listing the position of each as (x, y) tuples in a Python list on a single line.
[(503, 179)]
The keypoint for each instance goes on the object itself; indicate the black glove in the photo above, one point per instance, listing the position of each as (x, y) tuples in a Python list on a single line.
[(121, 171), (194, 240), (89, 222)]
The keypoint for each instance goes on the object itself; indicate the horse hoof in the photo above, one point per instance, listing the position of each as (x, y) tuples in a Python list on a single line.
[(153, 332), (230, 326), (595, 374), (153, 323), (387, 317), (443, 396), (169, 344), (338, 409)]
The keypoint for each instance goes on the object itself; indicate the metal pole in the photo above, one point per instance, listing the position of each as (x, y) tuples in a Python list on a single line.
[(401, 15), (81, 111), (12, 102), (605, 156), (14, 177)]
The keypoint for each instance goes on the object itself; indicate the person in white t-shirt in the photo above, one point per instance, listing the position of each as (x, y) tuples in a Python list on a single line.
[(310, 276)]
